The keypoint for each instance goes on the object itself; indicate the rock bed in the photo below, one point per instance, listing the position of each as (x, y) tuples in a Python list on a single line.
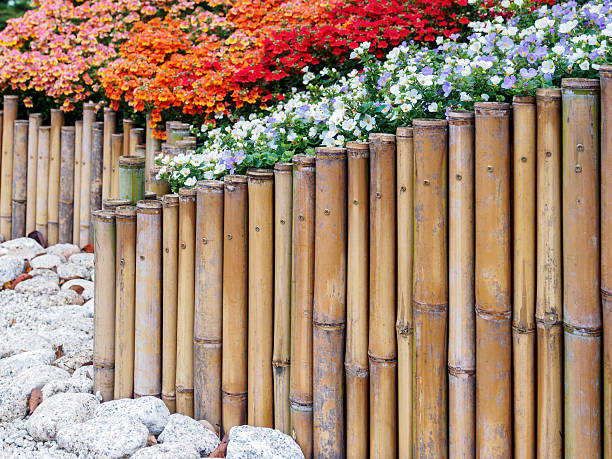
[(46, 324)]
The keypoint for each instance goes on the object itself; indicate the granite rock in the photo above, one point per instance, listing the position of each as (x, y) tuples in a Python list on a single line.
[(183, 429), (247, 442)]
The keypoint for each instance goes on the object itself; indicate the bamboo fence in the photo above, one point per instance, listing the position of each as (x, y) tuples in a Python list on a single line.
[(442, 292)]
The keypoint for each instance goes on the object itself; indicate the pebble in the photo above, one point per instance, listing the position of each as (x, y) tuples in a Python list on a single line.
[(47, 274), (23, 247), (63, 250), (15, 364), (83, 259), (46, 261), (88, 287), (261, 443), (71, 270), (88, 308), (37, 286), (151, 411), (10, 268), (170, 450), (183, 429), (59, 411)]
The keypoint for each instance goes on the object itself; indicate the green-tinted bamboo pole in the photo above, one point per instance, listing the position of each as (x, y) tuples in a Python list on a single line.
[(461, 320), (261, 297), (104, 314), (493, 281), (110, 127), (20, 179), (581, 268), (35, 120), (300, 394), (382, 350), (55, 151), (523, 267), (97, 148), (153, 145), (549, 293), (170, 204), (6, 176), (112, 204), (185, 307), (131, 178), (404, 322), (356, 358), (283, 204), (66, 191), (89, 116), (234, 349), (125, 295), (148, 316), (137, 137), (76, 215), (158, 186), (208, 315), (430, 287), (605, 73), (329, 309), (116, 150), (42, 180), (128, 125)]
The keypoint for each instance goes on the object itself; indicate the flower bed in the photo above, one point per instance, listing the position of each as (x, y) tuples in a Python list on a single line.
[(502, 58)]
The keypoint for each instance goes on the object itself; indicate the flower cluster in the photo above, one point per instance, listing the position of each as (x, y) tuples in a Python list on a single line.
[(502, 58)]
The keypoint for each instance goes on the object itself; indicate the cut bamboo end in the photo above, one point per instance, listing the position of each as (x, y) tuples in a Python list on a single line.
[(66, 190), (132, 178), (116, 152), (20, 173), (42, 180), (586, 84), (110, 127), (104, 315), (35, 120), (158, 186), (112, 203)]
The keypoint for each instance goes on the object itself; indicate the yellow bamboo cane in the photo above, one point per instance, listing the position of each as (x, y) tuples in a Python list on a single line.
[(20, 177), (35, 120), (6, 180)]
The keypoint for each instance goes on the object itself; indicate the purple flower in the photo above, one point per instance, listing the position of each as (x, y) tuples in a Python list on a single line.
[(531, 58), (427, 70), (447, 88), (454, 36), (508, 82), (362, 77), (505, 43), (523, 50), (540, 52), (528, 73)]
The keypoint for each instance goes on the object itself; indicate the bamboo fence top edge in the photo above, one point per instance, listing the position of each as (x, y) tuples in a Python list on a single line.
[(330, 153), (548, 93), (103, 215), (493, 109), (148, 206), (131, 161), (210, 186), (303, 160), (235, 179), (10, 98), (580, 83), (605, 70), (22, 122), (382, 137), (523, 100), (260, 174), (170, 200), (128, 212), (405, 131), (429, 123), (283, 167), (187, 193)]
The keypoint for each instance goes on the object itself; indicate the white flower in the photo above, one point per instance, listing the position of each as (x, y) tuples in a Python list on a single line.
[(496, 80), (349, 124), (465, 97), (568, 26), (292, 136), (558, 49), (367, 123), (518, 3), (505, 4), (484, 97), (312, 132), (548, 66), (608, 30), (433, 107), (185, 171), (584, 65), (165, 160), (191, 181), (162, 170), (544, 23)]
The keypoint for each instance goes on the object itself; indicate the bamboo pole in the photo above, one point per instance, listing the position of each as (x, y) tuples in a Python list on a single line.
[(110, 127), (329, 308), (104, 313), (66, 191), (300, 393), (112, 204), (261, 297), (581, 268), (131, 178), (356, 358), (6, 179), (158, 186), (97, 148), (88, 120), (137, 137), (281, 355), (493, 281), (382, 351), (170, 204), (152, 146), (185, 308), (20, 179), (116, 151), (125, 295), (404, 324), (549, 293), (148, 315), (35, 120), (42, 180), (128, 124), (76, 215), (430, 287), (57, 121), (605, 73), (140, 150), (523, 267), (461, 324), (208, 315), (150, 195), (234, 348)]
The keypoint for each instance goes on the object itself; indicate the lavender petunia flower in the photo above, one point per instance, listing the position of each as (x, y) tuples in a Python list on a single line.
[(508, 82)]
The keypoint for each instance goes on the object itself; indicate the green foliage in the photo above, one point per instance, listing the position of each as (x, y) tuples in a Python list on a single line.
[(12, 9)]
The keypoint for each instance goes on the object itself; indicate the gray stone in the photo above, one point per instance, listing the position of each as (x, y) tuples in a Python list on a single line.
[(63, 250), (10, 268), (77, 386), (88, 308), (15, 341), (15, 364), (47, 274), (171, 450), (45, 261), (23, 247), (151, 411), (59, 411), (83, 259), (37, 286), (183, 429), (246, 442), (14, 392), (71, 270), (88, 287), (104, 437)]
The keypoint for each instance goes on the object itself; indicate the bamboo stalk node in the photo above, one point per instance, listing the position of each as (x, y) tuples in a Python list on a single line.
[(582, 331), (490, 315), (429, 307), (460, 372), (404, 330), (355, 370), (523, 329)]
